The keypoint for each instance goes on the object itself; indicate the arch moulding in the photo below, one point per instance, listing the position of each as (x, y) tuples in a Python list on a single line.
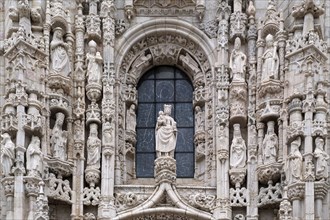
[(165, 41)]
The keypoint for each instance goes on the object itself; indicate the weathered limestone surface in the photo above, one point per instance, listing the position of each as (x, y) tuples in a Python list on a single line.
[(69, 77)]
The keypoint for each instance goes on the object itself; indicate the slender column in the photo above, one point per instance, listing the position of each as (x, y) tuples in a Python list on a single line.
[(107, 208), (308, 148)]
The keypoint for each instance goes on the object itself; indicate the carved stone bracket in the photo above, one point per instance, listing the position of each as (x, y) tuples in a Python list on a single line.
[(237, 176), (269, 172), (59, 82), (296, 191), (92, 176), (165, 170), (59, 167)]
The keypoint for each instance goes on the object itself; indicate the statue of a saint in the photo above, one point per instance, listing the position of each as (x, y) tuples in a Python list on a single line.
[(321, 167), (237, 149), (94, 64), (199, 118), (34, 158), (166, 133), (294, 162), (270, 144), (58, 139), (93, 148), (107, 133), (131, 118), (60, 62), (237, 62), (7, 154), (270, 60)]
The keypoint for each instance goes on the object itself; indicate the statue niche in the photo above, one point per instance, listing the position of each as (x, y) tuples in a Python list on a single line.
[(60, 62), (34, 158), (270, 60), (270, 144), (237, 62), (321, 157), (58, 140), (7, 154), (237, 149), (94, 64), (294, 163)]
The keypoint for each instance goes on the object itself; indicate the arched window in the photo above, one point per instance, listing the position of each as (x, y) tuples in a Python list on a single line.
[(165, 85)]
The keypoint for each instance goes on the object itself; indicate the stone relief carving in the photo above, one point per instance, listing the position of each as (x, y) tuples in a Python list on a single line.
[(94, 64), (60, 62), (59, 189), (200, 119), (321, 169), (58, 138), (91, 196), (270, 60), (7, 154), (237, 149), (202, 201), (210, 28), (238, 197), (34, 158), (166, 133), (270, 195)]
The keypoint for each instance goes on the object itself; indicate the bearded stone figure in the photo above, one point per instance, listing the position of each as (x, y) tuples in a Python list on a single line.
[(60, 62), (94, 64), (7, 154), (270, 144), (321, 168), (270, 60), (166, 133), (237, 149), (34, 157), (93, 148), (294, 162), (237, 62), (58, 139)]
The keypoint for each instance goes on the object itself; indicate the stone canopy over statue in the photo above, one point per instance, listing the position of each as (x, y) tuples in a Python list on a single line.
[(166, 133)]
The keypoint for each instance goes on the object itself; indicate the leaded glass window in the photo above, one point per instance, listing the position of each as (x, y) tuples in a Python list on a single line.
[(165, 85)]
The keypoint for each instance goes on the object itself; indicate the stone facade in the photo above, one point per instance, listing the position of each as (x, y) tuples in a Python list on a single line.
[(69, 76)]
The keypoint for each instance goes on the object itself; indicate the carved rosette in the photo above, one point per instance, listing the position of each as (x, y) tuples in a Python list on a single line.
[(296, 191), (165, 170), (237, 176), (269, 172)]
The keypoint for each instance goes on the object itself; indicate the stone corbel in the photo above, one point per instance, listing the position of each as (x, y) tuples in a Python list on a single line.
[(200, 9), (129, 9)]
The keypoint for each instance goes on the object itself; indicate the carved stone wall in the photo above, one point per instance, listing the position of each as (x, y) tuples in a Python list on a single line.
[(69, 77)]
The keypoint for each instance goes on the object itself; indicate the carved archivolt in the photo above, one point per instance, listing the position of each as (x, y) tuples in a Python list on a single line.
[(165, 46)]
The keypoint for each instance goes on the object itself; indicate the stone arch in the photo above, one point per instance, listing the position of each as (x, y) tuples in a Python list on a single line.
[(165, 42)]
